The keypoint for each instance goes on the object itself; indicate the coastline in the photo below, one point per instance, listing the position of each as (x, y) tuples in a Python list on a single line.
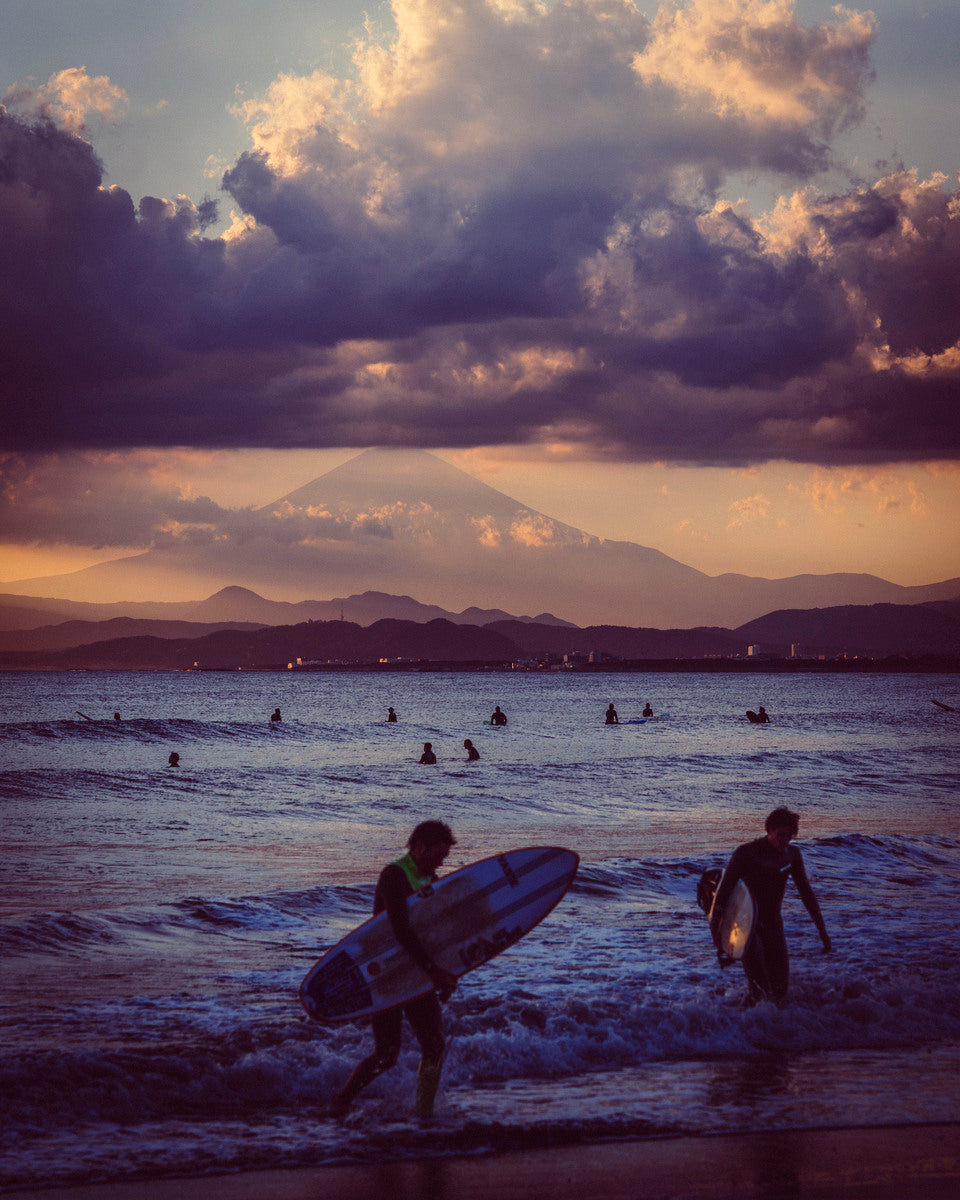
[(900, 1162)]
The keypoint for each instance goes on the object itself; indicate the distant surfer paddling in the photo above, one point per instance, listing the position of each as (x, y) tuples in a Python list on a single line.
[(764, 866), (427, 848)]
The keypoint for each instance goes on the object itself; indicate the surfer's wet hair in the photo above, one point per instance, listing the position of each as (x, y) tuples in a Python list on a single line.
[(431, 832), (782, 818)]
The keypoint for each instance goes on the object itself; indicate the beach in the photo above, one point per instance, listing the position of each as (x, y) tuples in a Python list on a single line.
[(920, 1162), (155, 923)]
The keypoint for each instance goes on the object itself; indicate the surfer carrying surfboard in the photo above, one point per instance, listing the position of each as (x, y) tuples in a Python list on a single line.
[(428, 846), (764, 866)]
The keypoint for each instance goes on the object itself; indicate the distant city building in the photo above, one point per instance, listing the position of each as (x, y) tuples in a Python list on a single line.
[(753, 652), (577, 658), (796, 651)]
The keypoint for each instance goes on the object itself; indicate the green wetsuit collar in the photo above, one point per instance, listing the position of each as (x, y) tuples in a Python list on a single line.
[(412, 872)]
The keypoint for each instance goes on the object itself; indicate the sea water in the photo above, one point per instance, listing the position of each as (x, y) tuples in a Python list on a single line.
[(156, 921)]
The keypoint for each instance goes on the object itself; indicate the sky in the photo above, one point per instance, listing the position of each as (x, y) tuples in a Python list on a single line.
[(679, 275)]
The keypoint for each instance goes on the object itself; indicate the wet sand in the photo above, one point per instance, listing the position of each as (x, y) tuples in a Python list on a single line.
[(915, 1162)]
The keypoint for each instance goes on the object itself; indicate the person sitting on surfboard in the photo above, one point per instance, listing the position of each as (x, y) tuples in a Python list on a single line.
[(764, 866), (612, 718), (391, 715), (428, 758), (473, 754), (647, 710), (497, 717), (428, 846)]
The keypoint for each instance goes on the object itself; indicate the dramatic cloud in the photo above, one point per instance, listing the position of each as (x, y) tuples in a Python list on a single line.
[(68, 99), (507, 226), (129, 499), (749, 58)]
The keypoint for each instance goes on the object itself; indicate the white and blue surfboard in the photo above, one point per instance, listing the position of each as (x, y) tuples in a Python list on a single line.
[(463, 920)]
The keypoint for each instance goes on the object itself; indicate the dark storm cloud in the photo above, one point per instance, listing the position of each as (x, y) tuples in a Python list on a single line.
[(505, 229)]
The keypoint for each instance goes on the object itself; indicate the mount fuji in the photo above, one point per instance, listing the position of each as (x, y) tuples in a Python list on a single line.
[(407, 523)]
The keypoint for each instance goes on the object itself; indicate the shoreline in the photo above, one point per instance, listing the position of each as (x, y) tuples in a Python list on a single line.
[(898, 1162)]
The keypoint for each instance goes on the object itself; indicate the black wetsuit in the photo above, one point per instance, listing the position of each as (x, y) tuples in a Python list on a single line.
[(424, 1014), (765, 870)]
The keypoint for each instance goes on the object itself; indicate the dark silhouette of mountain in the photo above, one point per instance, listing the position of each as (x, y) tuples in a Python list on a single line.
[(621, 641), (236, 604), (872, 631), (405, 522), (86, 633), (278, 645)]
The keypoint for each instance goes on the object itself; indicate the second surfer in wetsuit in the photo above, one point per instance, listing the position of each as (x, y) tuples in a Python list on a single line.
[(428, 846), (497, 717), (764, 866), (473, 754), (612, 718)]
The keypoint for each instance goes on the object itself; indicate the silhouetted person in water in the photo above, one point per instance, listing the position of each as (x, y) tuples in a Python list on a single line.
[(275, 715), (758, 718), (612, 718), (497, 717), (174, 759), (428, 758), (764, 866), (116, 716), (473, 754), (391, 715), (428, 846), (647, 710)]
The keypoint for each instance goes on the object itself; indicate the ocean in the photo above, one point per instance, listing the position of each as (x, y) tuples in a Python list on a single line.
[(156, 921)]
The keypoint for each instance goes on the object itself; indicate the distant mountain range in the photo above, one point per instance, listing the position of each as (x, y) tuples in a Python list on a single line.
[(406, 523), (229, 608), (873, 631)]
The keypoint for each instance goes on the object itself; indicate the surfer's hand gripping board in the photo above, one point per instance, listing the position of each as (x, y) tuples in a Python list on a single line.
[(463, 920)]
